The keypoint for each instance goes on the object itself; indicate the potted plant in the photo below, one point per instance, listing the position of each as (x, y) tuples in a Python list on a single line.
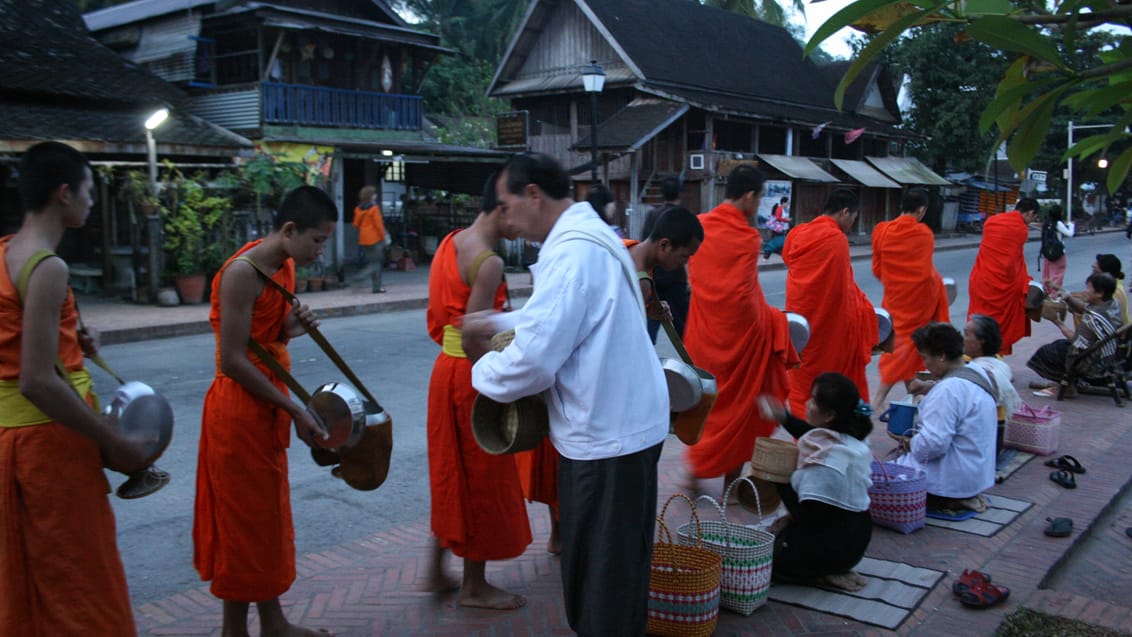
[(136, 188), (189, 214)]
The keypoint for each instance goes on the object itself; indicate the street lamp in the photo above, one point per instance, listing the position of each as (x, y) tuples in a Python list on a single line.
[(1102, 163), (153, 221), (593, 79), (1069, 171)]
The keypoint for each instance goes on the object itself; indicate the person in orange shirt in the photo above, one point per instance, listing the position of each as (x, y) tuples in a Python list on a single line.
[(243, 536), (999, 281), (60, 571), (820, 286), (914, 294), (477, 503), (371, 238), (733, 333)]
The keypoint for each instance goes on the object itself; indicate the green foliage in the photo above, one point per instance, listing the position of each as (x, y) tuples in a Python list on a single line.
[(1048, 69), (269, 179), (948, 83), (196, 223)]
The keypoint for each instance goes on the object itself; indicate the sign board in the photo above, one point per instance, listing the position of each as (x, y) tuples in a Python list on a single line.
[(1038, 176), (511, 130)]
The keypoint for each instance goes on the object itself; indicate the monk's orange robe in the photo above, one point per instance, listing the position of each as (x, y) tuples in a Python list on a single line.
[(60, 571), (913, 290), (243, 536), (999, 280), (477, 503), (735, 335), (843, 322)]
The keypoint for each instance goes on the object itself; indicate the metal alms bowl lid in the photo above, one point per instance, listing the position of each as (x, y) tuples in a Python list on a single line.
[(340, 408), (799, 330), (884, 324), (950, 288), (144, 412), (684, 387)]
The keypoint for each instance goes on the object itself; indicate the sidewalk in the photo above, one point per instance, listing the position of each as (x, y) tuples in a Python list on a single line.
[(372, 586), (121, 321)]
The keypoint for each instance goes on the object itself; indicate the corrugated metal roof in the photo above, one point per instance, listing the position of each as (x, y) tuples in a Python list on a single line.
[(798, 168), (558, 82), (864, 173), (908, 171), (130, 12)]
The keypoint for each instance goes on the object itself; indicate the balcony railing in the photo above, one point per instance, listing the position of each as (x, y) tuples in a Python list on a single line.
[(318, 106)]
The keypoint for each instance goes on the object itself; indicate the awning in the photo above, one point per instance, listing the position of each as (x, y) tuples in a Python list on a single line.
[(798, 168), (864, 173), (907, 171), (633, 126)]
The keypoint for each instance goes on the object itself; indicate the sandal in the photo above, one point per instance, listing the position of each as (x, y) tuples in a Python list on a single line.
[(1048, 392), (984, 595), (968, 580), (1069, 463), (1064, 478), (143, 482), (1059, 527)]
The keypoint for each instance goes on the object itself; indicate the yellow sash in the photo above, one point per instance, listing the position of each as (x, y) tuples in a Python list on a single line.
[(452, 344), (17, 411)]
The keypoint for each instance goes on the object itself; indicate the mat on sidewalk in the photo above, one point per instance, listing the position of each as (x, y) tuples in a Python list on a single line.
[(1002, 511), (893, 592), (1009, 461)]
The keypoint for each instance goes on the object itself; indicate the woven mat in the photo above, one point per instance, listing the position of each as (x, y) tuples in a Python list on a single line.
[(1002, 511), (893, 592), (1009, 461)]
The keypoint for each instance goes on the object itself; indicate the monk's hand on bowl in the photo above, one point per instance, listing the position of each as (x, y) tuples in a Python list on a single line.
[(476, 330), (309, 428)]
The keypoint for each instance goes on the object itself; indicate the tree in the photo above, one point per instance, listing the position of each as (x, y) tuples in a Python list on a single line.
[(1046, 70), (947, 84)]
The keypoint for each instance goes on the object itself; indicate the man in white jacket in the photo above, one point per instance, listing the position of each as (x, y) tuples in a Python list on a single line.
[(581, 342)]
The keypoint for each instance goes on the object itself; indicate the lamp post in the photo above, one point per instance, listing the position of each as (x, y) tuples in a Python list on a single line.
[(152, 220), (1069, 171), (593, 80)]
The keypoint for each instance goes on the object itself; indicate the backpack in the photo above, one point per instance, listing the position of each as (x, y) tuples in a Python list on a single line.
[(1052, 247)]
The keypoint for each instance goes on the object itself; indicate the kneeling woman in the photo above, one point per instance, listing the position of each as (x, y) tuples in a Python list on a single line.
[(828, 526), (955, 442)]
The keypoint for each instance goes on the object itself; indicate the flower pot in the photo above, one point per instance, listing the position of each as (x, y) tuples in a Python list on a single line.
[(315, 285), (190, 287), (301, 285)]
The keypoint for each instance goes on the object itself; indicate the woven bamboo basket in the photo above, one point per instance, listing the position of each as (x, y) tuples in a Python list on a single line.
[(684, 584), (774, 460)]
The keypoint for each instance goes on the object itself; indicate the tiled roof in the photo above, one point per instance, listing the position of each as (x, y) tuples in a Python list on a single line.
[(48, 52)]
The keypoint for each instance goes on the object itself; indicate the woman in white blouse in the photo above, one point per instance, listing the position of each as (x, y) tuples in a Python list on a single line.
[(1054, 231)]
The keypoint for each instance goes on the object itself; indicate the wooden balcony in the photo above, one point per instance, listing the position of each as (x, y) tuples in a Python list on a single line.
[(296, 104), (254, 105)]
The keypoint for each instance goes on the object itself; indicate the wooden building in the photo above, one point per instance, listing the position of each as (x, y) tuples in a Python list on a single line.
[(692, 91)]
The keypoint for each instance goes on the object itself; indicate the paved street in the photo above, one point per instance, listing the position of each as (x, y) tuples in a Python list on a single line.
[(361, 553)]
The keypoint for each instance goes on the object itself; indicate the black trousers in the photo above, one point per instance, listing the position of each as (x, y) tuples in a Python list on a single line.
[(607, 515), (821, 539)]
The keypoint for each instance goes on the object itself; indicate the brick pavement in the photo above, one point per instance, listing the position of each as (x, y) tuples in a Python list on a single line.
[(371, 586)]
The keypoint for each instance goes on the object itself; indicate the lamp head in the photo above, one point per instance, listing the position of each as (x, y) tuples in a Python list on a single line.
[(1102, 163), (593, 77), (157, 118)]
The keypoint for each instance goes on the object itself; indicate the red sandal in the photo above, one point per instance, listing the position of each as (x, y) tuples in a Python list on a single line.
[(984, 595), (968, 580)]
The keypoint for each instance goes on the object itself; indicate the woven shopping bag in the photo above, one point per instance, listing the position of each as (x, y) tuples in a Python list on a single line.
[(898, 497), (1033, 430), (684, 585), (747, 554)]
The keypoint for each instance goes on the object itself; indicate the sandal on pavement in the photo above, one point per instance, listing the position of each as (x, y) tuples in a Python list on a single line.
[(1059, 527), (1064, 478), (1069, 463), (968, 580), (984, 595), (1048, 392)]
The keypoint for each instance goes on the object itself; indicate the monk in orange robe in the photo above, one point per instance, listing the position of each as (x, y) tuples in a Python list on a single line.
[(676, 235), (60, 571), (477, 504), (733, 333), (914, 294), (243, 536), (820, 287), (999, 280)]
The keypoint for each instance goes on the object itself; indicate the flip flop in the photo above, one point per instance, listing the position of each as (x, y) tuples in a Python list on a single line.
[(1049, 392), (142, 483), (1059, 527), (984, 595), (1069, 463), (1064, 478), (968, 580)]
